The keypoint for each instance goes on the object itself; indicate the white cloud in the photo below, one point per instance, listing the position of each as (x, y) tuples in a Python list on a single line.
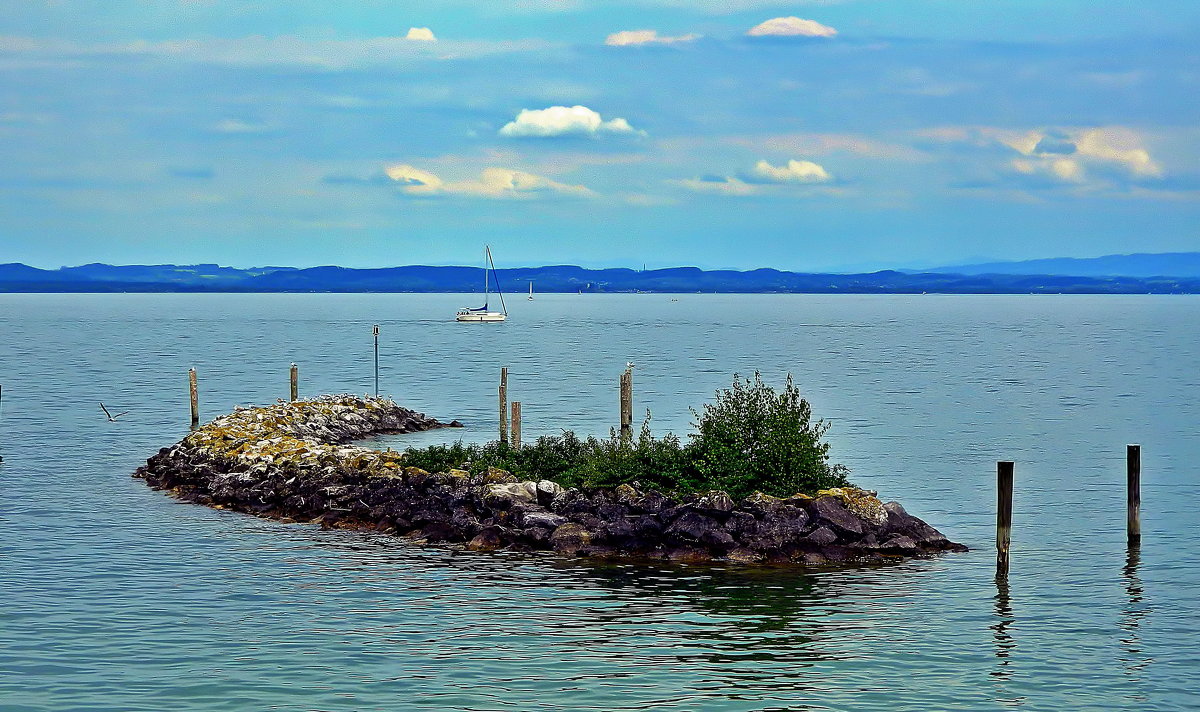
[(420, 34), (258, 50), (723, 185), (491, 183), (792, 172), (626, 38), (1112, 146), (791, 27), (239, 126), (564, 121)]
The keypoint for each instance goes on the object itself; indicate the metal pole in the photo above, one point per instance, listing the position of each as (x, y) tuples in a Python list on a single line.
[(375, 333)]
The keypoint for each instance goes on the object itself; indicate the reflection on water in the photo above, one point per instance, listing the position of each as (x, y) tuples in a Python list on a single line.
[(1134, 657), (1005, 644)]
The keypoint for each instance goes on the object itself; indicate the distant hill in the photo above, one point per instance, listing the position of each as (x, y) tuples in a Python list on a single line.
[(560, 278), (1163, 264)]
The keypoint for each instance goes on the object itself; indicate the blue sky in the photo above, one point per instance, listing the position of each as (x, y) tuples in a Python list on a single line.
[(814, 135)]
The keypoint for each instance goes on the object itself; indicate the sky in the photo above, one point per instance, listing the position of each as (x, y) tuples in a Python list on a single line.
[(814, 135)]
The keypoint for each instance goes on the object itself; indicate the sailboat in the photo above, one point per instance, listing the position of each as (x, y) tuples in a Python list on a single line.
[(531, 290), (482, 313)]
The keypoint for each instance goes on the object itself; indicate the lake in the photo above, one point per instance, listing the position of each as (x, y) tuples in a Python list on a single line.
[(116, 597)]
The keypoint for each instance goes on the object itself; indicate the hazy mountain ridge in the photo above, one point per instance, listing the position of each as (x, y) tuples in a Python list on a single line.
[(15, 277), (1162, 264)]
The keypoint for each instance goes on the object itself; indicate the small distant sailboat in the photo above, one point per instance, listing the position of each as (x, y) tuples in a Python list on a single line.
[(482, 313), (531, 290)]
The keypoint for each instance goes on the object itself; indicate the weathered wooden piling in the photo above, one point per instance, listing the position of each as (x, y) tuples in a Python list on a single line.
[(375, 333), (516, 424), (627, 403), (1004, 493), (295, 378), (193, 392), (1133, 504), (504, 404)]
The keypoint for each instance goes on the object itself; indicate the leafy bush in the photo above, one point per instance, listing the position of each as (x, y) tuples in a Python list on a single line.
[(756, 438), (752, 438)]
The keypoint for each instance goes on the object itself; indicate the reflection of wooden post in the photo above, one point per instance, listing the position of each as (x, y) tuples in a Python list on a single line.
[(516, 424), (1004, 493), (195, 398), (295, 382), (627, 403), (1133, 506), (504, 404)]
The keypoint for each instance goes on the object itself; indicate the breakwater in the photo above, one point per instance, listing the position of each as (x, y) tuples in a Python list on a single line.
[(293, 462)]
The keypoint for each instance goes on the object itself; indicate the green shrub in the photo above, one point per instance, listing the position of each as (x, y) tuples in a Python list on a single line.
[(756, 438), (751, 438)]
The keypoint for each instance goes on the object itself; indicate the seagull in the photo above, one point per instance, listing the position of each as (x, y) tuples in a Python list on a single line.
[(111, 418)]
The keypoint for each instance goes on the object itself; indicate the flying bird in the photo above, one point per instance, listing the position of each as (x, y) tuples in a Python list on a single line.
[(111, 418)]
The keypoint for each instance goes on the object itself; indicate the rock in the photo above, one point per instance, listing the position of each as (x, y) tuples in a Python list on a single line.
[(486, 540), (715, 501), (761, 505), (717, 539), (546, 520), (570, 538), (821, 536), (496, 476), (901, 544), (546, 491), (514, 492), (692, 525), (744, 556), (862, 503), (624, 494), (830, 510), (688, 554)]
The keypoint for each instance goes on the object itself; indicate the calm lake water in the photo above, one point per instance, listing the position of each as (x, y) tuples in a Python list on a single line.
[(115, 597)]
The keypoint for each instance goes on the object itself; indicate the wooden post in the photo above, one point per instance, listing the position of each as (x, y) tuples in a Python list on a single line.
[(194, 393), (1004, 493), (516, 424), (627, 403), (375, 333), (1133, 506), (295, 382), (504, 404)]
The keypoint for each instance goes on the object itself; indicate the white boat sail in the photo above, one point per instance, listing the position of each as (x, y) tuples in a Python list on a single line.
[(483, 313), (531, 290)]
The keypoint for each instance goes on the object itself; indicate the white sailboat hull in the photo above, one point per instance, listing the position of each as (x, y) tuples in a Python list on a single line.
[(481, 316)]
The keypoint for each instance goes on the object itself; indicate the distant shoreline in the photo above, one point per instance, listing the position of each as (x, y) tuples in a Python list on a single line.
[(563, 279)]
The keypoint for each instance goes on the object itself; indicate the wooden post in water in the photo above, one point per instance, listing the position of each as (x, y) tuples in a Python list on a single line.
[(1004, 493), (295, 383), (195, 398), (516, 424), (504, 404), (627, 403), (1133, 506), (375, 333)]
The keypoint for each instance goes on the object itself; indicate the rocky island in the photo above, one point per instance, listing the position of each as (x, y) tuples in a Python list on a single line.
[(293, 462)]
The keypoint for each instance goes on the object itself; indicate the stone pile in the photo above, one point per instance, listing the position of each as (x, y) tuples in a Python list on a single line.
[(285, 462)]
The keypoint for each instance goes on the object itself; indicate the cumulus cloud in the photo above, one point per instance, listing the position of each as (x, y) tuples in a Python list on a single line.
[(420, 34), (1097, 148), (791, 27), (491, 183), (564, 121), (791, 172), (626, 38)]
